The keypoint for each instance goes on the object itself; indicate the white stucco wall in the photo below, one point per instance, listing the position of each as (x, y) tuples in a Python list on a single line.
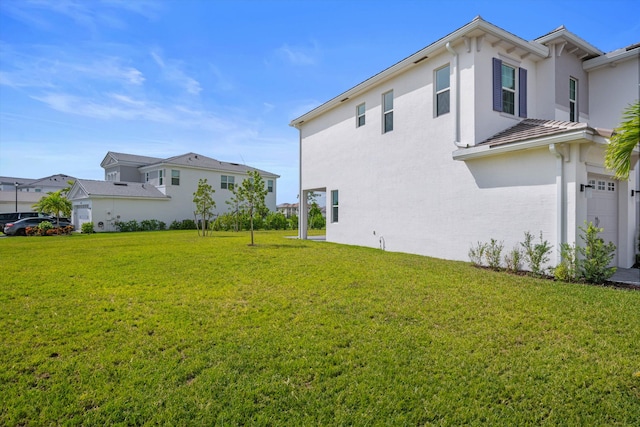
[(405, 187), (612, 88)]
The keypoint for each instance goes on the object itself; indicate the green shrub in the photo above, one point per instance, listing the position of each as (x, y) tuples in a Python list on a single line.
[(293, 222), (152, 225), (127, 226), (276, 221), (44, 226), (568, 269), (87, 228), (513, 260), (493, 254), (476, 254), (185, 224), (536, 254), (595, 256)]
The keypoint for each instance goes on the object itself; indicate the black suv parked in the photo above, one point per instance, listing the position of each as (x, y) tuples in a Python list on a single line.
[(15, 216)]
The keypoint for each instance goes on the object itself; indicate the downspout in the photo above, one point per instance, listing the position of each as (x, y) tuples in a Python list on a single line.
[(456, 140), (302, 225), (559, 201)]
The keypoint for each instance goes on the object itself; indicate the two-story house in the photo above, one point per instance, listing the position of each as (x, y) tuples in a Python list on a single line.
[(479, 135), (143, 188), (20, 194)]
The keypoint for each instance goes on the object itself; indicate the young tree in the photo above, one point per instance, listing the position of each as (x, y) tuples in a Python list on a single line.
[(203, 198), (251, 195), (234, 206), (54, 204), (623, 141)]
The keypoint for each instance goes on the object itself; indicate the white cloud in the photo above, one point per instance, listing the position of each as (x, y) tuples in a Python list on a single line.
[(173, 73), (298, 55)]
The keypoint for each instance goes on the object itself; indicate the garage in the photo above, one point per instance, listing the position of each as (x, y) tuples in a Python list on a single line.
[(602, 207)]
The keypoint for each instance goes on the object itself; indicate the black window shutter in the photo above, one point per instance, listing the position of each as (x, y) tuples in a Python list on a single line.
[(522, 92), (497, 84)]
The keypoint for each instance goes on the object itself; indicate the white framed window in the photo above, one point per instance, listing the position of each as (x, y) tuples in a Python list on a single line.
[(508, 89), (611, 186), (146, 177), (443, 85), (601, 185), (334, 205), (387, 112), (360, 115), (573, 100), (227, 182), (269, 186), (161, 177), (175, 177)]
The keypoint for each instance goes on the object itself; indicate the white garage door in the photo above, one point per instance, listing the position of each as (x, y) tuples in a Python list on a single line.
[(602, 208), (81, 214)]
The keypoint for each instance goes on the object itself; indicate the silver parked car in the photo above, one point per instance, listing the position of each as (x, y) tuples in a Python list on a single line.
[(19, 228)]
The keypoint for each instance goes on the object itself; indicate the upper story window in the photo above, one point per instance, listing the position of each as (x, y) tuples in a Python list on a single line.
[(360, 117), (227, 182), (573, 100), (146, 177), (387, 112), (442, 90), (175, 177), (334, 205), (161, 177), (509, 89), (270, 186)]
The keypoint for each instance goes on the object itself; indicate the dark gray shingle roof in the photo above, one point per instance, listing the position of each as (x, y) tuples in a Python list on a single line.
[(120, 189)]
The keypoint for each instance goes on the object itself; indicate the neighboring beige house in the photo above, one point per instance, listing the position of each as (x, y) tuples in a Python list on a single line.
[(143, 188), (20, 194), (288, 209), (479, 135)]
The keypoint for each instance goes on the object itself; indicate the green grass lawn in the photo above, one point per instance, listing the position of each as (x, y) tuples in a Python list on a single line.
[(169, 328)]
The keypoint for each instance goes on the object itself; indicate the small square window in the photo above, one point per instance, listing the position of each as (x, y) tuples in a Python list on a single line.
[(601, 185), (227, 182), (611, 186)]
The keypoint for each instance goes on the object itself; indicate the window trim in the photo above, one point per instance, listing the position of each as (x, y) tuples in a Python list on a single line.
[(161, 177), (335, 201), (520, 84), (441, 91), (574, 115), (386, 112), (270, 183), (227, 182), (361, 115), (175, 177)]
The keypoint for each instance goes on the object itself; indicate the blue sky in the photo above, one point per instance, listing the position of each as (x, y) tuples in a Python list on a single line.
[(222, 78)]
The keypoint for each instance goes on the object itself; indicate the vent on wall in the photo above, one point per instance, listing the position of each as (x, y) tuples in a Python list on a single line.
[(123, 184)]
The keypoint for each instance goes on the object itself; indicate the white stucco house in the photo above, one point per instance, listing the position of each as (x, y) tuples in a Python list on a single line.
[(479, 135), (144, 188)]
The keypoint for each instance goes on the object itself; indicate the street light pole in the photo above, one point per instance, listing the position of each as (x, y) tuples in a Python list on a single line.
[(16, 184)]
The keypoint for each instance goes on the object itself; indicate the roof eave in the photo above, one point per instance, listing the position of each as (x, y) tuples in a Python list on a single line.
[(581, 136), (610, 59), (534, 48), (567, 35)]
